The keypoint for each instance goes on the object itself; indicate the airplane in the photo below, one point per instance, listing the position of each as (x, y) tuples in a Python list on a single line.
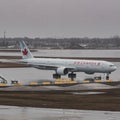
[(65, 66)]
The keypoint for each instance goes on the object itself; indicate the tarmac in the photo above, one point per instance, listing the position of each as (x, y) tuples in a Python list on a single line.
[(61, 87), (28, 113)]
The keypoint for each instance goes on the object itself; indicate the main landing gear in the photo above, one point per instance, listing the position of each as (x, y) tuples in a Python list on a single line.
[(72, 76), (56, 76)]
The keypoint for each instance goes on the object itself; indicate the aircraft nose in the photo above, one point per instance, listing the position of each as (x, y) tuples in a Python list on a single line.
[(113, 68)]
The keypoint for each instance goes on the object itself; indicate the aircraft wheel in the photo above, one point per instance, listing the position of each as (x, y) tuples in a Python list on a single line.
[(72, 76), (56, 76), (107, 77)]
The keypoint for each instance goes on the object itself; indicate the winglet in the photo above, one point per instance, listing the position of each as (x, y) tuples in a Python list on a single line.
[(26, 54)]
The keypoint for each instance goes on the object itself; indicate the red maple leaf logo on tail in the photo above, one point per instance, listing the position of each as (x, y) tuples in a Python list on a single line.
[(25, 52)]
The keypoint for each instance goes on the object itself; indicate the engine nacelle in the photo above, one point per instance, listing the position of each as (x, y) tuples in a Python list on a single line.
[(89, 72), (62, 71)]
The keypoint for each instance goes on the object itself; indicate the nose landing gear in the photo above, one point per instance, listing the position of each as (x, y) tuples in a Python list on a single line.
[(107, 76)]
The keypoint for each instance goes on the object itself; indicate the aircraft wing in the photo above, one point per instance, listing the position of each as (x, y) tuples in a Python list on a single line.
[(50, 67)]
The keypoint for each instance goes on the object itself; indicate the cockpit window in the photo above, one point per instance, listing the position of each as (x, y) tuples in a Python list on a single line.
[(111, 65)]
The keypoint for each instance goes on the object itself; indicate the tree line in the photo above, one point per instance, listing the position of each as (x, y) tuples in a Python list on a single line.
[(63, 43)]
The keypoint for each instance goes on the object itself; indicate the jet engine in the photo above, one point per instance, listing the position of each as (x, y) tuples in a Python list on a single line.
[(62, 71), (89, 72)]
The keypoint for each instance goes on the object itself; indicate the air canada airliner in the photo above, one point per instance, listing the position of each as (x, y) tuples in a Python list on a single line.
[(65, 66)]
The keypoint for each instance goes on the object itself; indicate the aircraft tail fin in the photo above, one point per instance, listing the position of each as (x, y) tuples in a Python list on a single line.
[(26, 54)]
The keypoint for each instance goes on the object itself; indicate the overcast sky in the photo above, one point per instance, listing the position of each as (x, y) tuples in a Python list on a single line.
[(60, 18)]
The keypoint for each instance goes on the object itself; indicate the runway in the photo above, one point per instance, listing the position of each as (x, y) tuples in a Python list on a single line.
[(76, 87), (28, 113)]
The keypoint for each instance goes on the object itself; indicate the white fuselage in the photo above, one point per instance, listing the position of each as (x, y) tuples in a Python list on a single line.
[(87, 66)]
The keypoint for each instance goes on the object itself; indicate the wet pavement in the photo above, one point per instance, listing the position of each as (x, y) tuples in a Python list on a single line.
[(70, 53), (28, 113)]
